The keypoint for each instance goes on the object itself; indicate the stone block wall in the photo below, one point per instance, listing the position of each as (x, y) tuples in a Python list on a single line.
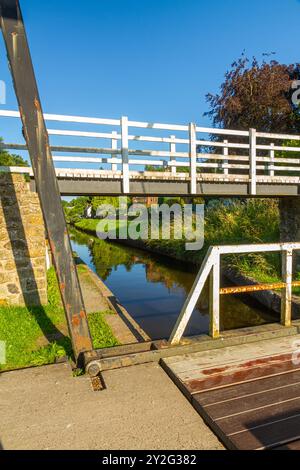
[(22, 244)]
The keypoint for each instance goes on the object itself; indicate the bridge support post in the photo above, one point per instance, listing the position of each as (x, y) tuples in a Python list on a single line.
[(114, 146), (37, 141), (193, 158), (271, 164), (125, 163), (286, 296), (252, 161), (225, 161), (172, 151)]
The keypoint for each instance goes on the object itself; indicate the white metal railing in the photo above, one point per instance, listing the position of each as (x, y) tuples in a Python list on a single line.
[(180, 146), (210, 268)]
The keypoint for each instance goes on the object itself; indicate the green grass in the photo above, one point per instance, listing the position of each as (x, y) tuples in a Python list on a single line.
[(100, 331), (24, 329), (90, 225)]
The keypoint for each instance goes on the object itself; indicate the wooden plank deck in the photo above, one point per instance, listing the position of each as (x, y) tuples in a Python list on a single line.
[(249, 394)]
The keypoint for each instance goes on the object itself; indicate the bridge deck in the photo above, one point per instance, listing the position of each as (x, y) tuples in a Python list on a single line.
[(249, 395), (94, 182)]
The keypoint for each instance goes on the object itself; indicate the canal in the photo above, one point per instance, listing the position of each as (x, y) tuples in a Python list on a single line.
[(153, 288)]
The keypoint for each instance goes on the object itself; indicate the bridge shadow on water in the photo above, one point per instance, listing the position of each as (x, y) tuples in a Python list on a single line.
[(25, 271)]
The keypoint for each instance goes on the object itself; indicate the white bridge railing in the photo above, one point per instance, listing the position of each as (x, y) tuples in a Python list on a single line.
[(178, 151), (211, 269)]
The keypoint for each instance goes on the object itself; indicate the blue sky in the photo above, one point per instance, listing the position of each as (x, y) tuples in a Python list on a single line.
[(151, 60)]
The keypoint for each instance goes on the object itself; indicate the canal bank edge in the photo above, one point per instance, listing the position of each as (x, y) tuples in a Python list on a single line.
[(123, 326)]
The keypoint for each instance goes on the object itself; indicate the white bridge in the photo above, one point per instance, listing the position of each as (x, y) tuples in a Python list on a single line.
[(145, 158)]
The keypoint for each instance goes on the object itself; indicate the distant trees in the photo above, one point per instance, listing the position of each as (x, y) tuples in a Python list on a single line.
[(258, 95), (8, 159)]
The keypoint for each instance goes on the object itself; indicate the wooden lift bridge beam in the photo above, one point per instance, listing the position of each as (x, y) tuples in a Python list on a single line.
[(37, 140)]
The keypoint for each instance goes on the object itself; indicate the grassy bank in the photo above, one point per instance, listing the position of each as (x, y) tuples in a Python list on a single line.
[(39, 335), (253, 221)]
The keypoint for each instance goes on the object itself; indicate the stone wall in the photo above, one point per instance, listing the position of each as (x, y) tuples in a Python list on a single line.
[(22, 244)]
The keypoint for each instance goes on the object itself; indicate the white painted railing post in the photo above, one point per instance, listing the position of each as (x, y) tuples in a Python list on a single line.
[(214, 299), (225, 161), (252, 161), (193, 158), (172, 151), (271, 164), (125, 164), (286, 296), (114, 146)]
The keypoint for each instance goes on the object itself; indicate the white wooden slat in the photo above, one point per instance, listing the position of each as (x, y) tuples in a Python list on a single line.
[(257, 247), (211, 143), (66, 118), (282, 148), (155, 125), (268, 135), (211, 130), (79, 133)]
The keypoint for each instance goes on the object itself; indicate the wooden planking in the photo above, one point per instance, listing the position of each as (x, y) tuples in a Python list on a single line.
[(256, 400), (258, 414), (213, 397), (185, 365), (250, 404), (239, 375), (295, 445)]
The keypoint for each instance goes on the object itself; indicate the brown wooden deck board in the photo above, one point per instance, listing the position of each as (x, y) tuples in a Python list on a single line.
[(253, 404)]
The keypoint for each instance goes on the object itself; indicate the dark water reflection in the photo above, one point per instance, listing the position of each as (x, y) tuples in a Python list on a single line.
[(153, 288)]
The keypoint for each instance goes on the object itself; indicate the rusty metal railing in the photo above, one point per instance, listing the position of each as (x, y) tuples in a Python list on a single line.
[(211, 268)]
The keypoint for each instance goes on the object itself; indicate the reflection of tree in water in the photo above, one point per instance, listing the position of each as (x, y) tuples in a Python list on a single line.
[(108, 256), (176, 276)]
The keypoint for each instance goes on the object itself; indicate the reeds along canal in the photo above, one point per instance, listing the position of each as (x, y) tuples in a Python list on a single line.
[(153, 288)]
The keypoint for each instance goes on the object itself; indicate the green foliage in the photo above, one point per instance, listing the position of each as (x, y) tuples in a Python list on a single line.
[(75, 208), (8, 159)]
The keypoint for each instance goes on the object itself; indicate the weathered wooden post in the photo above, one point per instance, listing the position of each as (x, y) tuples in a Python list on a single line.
[(37, 140)]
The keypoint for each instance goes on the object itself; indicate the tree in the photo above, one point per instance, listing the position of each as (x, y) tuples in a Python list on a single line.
[(7, 159), (258, 95)]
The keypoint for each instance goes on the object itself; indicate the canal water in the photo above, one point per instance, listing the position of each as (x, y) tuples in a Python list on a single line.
[(153, 288)]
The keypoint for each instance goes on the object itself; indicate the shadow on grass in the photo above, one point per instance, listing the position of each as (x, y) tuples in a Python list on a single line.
[(21, 254)]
